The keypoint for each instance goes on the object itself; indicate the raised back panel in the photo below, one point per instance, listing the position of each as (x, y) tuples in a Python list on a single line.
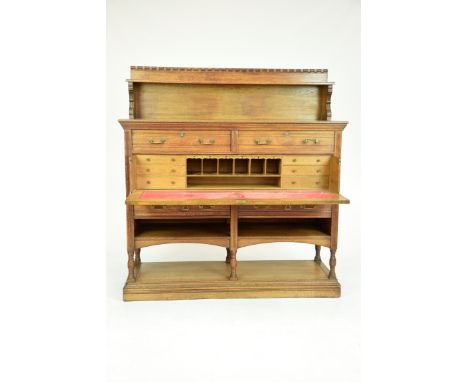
[(193, 102)]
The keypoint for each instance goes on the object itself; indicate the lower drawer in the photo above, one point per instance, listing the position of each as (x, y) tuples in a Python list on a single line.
[(155, 182), (146, 212), (313, 211), (305, 182)]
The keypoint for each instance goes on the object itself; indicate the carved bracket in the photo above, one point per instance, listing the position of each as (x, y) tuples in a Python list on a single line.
[(328, 104), (131, 97)]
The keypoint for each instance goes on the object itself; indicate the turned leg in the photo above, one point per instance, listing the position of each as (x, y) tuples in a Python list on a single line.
[(228, 256), (317, 257), (233, 263), (332, 274), (233, 243), (137, 256), (131, 265)]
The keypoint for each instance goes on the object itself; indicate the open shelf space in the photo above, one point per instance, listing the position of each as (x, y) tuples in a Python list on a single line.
[(150, 232), (194, 166), (233, 173), (225, 166), (234, 166), (232, 182), (257, 166), (270, 230), (273, 166), (210, 166)]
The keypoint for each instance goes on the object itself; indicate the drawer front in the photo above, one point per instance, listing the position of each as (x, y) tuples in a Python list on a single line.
[(159, 165), (305, 182), (304, 170), (159, 160), (156, 182), (142, 212), (315, 211), (173, 141), (154, 170), (309, 160), (282, 142)]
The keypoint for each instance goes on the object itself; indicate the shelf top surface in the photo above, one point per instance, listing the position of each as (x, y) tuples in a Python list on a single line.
[(234, 197), (229, 75)]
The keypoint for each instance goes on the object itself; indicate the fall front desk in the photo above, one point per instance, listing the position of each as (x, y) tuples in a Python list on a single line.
[(231, 158)]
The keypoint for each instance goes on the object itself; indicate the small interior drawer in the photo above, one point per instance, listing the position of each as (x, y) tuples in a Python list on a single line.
[(305, 182), (305, 170), (159, 160), (156, 182), (309, 160)]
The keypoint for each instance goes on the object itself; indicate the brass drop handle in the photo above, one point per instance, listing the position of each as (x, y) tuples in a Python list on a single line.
[(293, 171), (160, 142), (209, 142), (159, 207), (307, 207), (206, 207), (313, 140), (184, 209), (265, 142), (261, 207), (287, 208)]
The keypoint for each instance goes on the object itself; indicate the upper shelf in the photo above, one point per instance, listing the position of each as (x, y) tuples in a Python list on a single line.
[(232, 95), (234, 197)]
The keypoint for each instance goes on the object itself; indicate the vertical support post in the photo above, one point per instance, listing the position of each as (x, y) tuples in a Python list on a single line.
[(334, 240), (331, 274), (317, 257), (233, 242), (130, 211), (131, 265), (137, 256), (228, 256)]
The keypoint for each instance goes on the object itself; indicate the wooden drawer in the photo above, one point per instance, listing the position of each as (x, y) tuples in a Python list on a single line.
[(142, 212), (159, 165), (152, 182), (304, 170), (305, 182), (159, 160), (286, 142), (173, 141), (312, 160), (313, 211), (161, 170)]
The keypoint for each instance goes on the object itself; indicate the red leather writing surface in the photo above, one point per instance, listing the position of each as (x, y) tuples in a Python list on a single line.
[(249, 194)]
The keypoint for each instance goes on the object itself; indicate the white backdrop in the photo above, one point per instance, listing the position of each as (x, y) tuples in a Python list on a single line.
[(232, 340)]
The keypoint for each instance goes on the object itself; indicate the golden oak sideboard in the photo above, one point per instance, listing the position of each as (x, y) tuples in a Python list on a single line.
[(232, 158)]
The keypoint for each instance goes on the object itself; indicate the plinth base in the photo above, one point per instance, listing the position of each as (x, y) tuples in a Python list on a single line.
[(210, 279)]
